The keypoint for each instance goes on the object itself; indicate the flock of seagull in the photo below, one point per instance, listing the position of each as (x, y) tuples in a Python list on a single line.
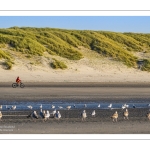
[(56, 114), (45, 114), (114, 116)]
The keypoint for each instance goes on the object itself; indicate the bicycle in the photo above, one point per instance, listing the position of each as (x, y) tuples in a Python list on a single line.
[(14, 85)]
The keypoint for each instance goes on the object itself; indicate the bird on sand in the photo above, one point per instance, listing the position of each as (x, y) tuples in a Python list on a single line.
[(33, 115), (115, 116), (68, 107), (41, 106), (85, 105), (42, 113), (8, 107), (134, 106), (13, 107), (110, 106), (30, 107), (53, 106), (53, 112), (1, 106), (93, 113), (126, 114), (1, 115), (99, 106), (83, 115), (58, 115), (60, 107), (148, 115), (47, 115), (124, 106)]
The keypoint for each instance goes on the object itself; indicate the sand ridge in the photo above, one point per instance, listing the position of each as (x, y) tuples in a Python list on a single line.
[(91, 68)]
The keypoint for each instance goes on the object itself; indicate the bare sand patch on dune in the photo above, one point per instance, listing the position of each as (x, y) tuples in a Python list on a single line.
[(91, 68)]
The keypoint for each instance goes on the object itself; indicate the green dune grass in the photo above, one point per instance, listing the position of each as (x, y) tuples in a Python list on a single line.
[(8, 60), (64, 43)]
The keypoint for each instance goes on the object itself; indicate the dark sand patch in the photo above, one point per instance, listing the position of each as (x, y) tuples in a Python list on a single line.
[(71, 123)]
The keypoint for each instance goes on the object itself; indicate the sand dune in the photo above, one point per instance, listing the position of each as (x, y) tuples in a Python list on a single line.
[(92, 68)]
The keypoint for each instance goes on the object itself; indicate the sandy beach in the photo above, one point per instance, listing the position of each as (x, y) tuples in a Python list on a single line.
[(91, 68), (94, 82), (91, 79), (71, 123), (16, 121)]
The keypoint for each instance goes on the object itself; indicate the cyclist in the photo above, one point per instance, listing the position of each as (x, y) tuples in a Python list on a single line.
[(18, 80)]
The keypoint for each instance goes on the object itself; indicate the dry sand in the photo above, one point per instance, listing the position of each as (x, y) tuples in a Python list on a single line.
[(92, 68)]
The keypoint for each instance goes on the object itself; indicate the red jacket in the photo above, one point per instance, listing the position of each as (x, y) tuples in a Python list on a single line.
[(18, 79)]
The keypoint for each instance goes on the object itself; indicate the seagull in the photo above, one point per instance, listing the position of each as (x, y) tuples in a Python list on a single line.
[(41, 106), (126, 105), (110, 106), (13, 107), (42, 113), (123, 107), (47, 115), (134, 106), (126, 114), (60, 107), (115, 116), (53, 112), (30, 107), (99, 105), (148, 105), (1, 115), (33, 115), (148, 115), (93, 113), (1, 106), (68, 107), (85, 105), (74, 106), (53, 106), (8, 107), (83, 115), (58, 115)]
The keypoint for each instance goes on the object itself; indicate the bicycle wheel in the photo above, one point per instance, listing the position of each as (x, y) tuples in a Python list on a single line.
[(14, 85), (22, 85)]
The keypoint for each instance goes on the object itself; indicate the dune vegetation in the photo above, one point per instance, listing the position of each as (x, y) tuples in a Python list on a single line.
[(64, 43), (56, 64), (8, 59)]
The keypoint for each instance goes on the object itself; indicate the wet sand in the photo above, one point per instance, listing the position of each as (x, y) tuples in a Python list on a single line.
[(71, 123), (75, 92)]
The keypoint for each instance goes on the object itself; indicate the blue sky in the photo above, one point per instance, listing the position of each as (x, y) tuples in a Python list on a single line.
[(140, 24)]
